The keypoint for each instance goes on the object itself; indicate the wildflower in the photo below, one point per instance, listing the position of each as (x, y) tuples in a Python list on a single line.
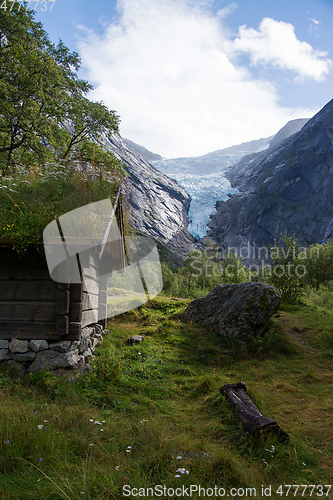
[(8, 442), (40, 426), (97, 422), (91, 444), (179, 458), (91, 420), (177, 475), (40, 459), (102, 430), (117, 467), (103, 421), (304, 463)]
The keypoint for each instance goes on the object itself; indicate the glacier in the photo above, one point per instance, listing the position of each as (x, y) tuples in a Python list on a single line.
[(203, 178)]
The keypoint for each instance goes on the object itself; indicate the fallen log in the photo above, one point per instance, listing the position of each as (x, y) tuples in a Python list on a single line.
[(252, 420)]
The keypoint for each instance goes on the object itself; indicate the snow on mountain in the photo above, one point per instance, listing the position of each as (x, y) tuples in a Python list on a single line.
[(203, 179)]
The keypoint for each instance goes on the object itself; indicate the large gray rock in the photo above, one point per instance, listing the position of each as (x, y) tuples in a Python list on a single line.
[(236, 311), (52, 359), (24, 357)]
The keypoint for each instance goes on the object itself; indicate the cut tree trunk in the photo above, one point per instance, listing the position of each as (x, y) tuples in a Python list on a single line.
[(252, 420)]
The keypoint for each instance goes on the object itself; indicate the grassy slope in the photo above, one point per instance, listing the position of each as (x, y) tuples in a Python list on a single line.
[(162, 398)]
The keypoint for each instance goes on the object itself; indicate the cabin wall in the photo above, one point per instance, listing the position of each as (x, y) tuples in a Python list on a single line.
[(33, 306)]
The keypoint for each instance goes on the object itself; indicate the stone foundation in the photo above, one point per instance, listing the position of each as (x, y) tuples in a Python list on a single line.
[(31, 356)]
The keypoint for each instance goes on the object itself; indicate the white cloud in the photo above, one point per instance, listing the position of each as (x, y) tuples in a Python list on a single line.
[(164, 66), (275, 43)]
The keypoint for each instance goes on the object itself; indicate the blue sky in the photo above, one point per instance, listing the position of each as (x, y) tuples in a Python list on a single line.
[(191, 76)]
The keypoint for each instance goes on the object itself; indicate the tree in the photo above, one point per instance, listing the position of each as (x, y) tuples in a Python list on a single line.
[(43, 108)]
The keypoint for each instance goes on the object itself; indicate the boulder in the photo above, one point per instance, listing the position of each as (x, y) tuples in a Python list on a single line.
[(237, 311)]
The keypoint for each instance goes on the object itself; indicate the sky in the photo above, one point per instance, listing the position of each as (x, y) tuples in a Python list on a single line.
[(188, 77)]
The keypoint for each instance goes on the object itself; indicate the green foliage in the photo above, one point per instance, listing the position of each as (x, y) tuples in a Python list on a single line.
[(320, 265), (288, 267), (32, 198), (40, 92)]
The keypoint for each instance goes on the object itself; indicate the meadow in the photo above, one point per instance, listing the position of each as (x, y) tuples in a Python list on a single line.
[(152, 414)]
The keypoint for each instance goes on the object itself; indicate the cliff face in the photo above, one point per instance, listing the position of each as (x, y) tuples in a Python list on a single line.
[(158, 206), (286, 189)]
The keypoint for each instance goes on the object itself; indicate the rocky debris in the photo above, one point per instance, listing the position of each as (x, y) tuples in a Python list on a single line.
[(158, 206), (284, 189), (237, 311), (135, 339), (37, 354)]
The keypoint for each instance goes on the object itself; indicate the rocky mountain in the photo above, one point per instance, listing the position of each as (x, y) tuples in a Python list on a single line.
[(289, 129), (203, 177), (142, 151), (158, 206), (285, 189)]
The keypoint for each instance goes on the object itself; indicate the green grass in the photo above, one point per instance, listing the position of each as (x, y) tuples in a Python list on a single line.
[(162, 398)]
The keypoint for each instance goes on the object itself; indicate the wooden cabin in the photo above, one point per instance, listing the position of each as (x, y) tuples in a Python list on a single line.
[(34, 306)]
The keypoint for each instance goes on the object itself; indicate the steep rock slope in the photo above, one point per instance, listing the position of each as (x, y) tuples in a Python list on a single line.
[(287, 188), (158, 206), (142, 151)]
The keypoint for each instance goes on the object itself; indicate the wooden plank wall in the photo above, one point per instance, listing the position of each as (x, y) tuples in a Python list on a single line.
[(32, 305)]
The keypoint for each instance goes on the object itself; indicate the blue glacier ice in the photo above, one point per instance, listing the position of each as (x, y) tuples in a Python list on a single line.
[(203, 178)]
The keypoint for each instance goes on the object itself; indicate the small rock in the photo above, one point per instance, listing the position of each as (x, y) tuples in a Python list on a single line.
[(98, 337), (83, 345), (38, 345), (19, 345), (135, 339), (87, 354), (98, 328), (4, 344), (24, 357), (4, 354), (64, 346)]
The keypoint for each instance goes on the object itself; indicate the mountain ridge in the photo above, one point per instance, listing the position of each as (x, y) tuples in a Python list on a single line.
[(285, 189)]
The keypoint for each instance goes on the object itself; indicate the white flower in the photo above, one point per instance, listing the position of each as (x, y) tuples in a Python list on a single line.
[(40, 426), (97, 422), (91, 420), (129, 446), (179, 458), (177, 475)]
